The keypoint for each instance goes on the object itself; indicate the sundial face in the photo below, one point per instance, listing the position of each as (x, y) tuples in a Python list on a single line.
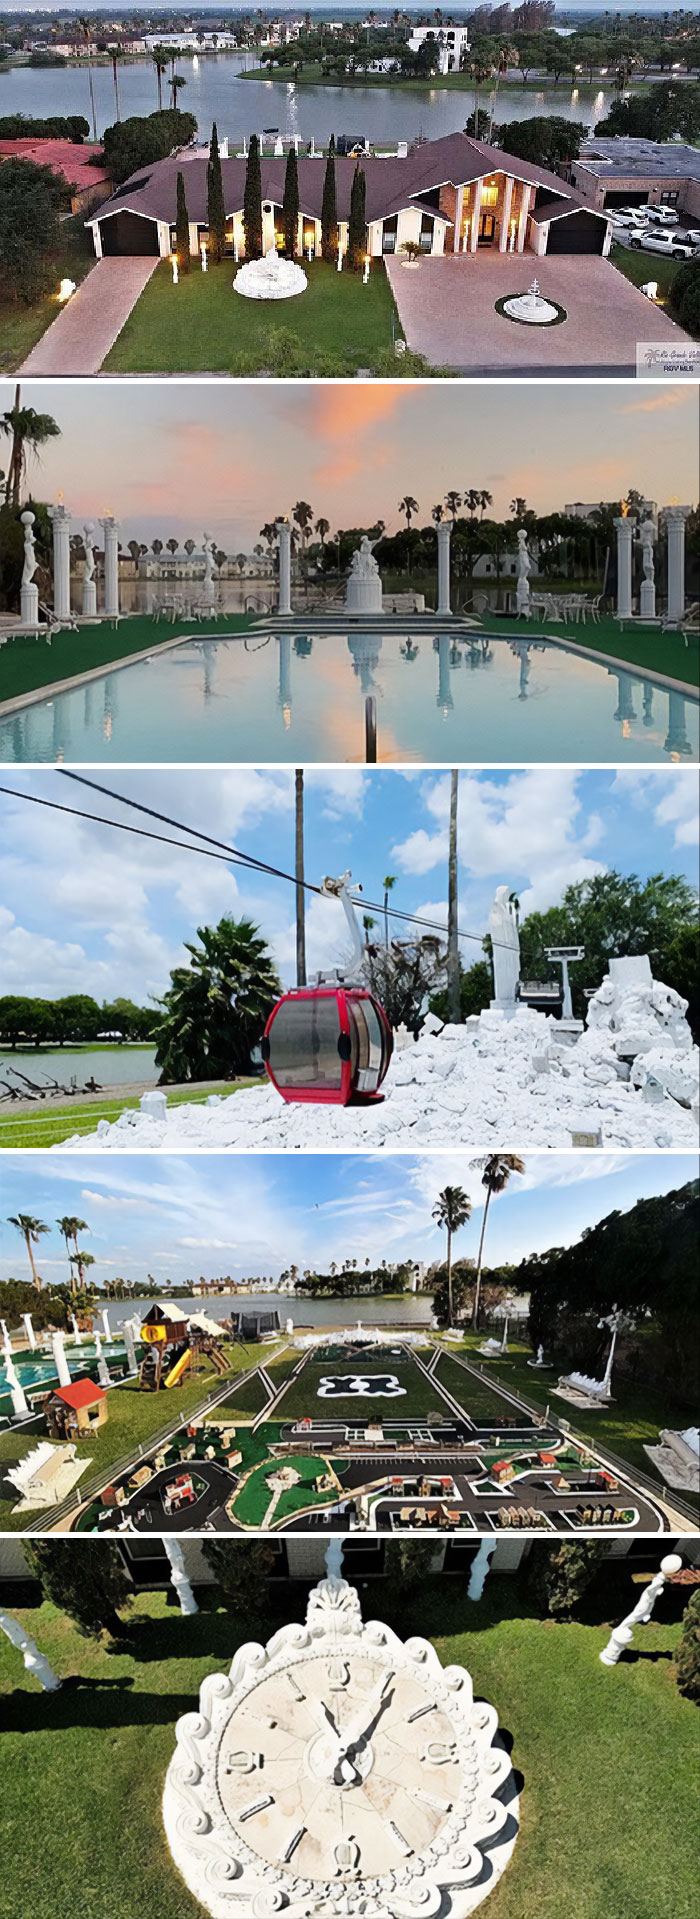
[(339, 1766)]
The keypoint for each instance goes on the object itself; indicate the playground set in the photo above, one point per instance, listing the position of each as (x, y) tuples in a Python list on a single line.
[(176, 1345)]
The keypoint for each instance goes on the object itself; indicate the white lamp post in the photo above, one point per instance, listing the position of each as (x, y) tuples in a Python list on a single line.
[(622, 1635), (35, 1661), (110, 528), (61, 523)]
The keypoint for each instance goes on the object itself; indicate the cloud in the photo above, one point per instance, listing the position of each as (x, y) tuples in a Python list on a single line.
[(527, 829), (340, 411)]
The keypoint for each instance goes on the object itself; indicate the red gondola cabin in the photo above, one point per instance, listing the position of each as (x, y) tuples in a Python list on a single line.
[(329, 1044)]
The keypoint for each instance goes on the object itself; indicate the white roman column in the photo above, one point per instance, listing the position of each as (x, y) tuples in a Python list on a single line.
[(476, 216), (459, 209), (35, 1661), (444, 535), (29, 1330), (623, 528), (505, 216), (178, 1575), (525, 204), (61, 561), (20, 1407), (675, 517), (284, 532), (641, 1613), (60, 1360), (105, 1322), (110, 528)]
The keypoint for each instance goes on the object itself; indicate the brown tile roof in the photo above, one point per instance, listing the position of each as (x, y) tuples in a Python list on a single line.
[(391, 183)]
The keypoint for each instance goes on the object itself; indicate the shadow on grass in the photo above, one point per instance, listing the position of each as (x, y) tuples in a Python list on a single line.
[(91, 1703)]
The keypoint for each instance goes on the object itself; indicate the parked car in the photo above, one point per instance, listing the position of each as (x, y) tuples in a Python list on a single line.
[(692, 235), (663, 216), (669, 243), (627, 216)]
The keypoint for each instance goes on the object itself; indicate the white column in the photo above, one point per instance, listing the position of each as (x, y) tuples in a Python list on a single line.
[(178, 1575), (641, 1613), (284, 533), (104, 1315), (675, 517), (77, 1335), (444, 535), (20, 1407), (29, 1330), (110, 528), (35, 1661), (505, 217), (476, 216), (525, 205), (459, 209), (102, 1367), (29, 591), (623, 529), (7, 1342), (60, 1360), (61, 561), (480, 1568)]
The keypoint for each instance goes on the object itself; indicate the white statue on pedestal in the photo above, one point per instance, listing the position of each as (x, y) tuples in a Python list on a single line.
[(29, 593), (522, 591), (647, 596), (89, 587), (503, 928), (363, 593)]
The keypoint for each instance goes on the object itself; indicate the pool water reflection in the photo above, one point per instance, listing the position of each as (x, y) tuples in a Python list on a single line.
[(447, 697)]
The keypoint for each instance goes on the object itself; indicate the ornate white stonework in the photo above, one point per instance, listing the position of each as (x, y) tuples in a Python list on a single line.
[(339, 1770)]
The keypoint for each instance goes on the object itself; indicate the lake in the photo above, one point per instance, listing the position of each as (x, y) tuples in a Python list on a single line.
[(216, 90), (414, 1309), (121, 1066)]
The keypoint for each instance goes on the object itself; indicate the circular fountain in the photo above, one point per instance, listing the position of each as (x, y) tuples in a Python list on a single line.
[(531, 308), (271, 278)]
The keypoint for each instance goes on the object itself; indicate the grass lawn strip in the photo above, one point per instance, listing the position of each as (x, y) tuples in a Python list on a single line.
[(301, 1401), (478, 1399), (51, 1126), (28, 665), (253, 1498), (134, 1416), (643, 646), (580, 1733)]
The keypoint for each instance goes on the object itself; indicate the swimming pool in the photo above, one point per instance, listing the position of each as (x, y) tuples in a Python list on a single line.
[(301, 698)]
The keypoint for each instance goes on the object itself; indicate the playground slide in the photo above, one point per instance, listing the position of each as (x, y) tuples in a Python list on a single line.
[(179, 1368)]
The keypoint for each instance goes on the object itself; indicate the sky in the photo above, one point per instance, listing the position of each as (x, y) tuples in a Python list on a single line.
[(255, 1215), (172, 459), (85, 908)]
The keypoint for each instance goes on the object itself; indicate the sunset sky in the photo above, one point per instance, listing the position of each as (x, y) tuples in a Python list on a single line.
[(171, 460)]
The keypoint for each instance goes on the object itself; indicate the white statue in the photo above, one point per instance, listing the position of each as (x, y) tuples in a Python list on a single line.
[(503, 928), (363, 593), (29, 567), (522, 591), (647, 595), (363, 564), (89, 584), (208, 550)]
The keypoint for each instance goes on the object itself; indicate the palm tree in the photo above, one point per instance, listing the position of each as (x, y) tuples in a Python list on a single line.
[(176, 82), (161, 61), (388, 884), (409, 506), (453, 1210), (471, 500), (452, 502), (70, 1228), (86, 29), (82, 1261), (496, 1172), (28, 430), (215, 1009), (172, 546), (322, 528), (367, 923), (299, 874), (453, 984), (438, 513), (485, 499), (31, 1230), (303, 515), (114, 57)]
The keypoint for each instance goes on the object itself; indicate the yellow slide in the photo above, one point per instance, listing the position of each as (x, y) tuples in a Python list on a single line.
[(179, 1368)]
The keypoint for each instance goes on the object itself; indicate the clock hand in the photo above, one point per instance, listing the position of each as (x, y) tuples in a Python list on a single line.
[(358, 1728)]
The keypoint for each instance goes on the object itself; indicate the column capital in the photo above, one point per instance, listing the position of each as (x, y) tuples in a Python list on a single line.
[(625, 524), (60, 514), (676, 514)]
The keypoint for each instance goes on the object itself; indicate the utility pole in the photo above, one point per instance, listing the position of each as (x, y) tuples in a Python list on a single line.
[(453, 992), (299, 873)]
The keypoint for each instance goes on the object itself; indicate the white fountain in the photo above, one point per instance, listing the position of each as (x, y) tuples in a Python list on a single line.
[(531, 308), (363, 593), (271, 278)]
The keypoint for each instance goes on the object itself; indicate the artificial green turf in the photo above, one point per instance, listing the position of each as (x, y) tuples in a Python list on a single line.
[(251, 1503), (248, 1400), (202, 326), (608, 1758), (475, 1395), (419, 1401), (52, 1124), (133, 1417), (643, 646), (27, 664), (635, 1416)]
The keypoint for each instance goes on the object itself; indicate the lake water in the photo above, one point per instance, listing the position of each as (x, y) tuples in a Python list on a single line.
[(412, 1309), (216, 90), (123, 1066), (276, 698)]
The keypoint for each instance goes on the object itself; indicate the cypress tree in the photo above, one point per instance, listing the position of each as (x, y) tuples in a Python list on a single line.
[(252, 202), (329, 209), (290, 205), (216, 210), (182, 228), (357, 229)]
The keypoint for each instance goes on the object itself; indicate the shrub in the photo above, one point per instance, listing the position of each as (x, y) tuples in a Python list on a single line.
[(688, 1655)]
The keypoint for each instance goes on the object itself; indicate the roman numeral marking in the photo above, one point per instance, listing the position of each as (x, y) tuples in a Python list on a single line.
[(296, 1689), (257, 1805), (295, 1840), (428, 1799), (420, 1710), (398, 1837)]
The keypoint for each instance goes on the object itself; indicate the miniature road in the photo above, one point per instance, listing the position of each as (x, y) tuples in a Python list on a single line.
[(88, 325), (448, 312)]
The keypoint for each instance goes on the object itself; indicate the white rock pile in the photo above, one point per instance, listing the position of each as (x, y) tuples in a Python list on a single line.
[(631, 1079)]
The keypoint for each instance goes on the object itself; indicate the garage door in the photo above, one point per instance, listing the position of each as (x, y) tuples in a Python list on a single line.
[(578, 233), (128, 233)]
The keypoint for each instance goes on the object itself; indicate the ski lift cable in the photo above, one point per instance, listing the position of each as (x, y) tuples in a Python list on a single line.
[(229, 856)]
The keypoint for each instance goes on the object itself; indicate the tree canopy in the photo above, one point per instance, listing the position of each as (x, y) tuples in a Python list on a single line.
[(138, 141), (215, 1009)]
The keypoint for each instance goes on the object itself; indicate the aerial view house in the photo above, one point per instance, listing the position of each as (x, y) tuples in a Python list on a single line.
[(453, 195), (635, 172)]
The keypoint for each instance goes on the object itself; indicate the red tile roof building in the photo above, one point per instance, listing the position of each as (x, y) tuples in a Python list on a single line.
[(91, 185)]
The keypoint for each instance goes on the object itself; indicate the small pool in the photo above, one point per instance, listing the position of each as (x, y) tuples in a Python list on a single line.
[(440, 698)]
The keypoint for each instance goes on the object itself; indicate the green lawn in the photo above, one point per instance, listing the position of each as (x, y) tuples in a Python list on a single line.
[(251, 1503), (248, 1400), (643, 646), (22, 326), (640, 267), (480, 1402), (419, 1401), (608, 1757), (133, 1417), (202, 326), (54, 1124), (636, 1415), (27, 664)]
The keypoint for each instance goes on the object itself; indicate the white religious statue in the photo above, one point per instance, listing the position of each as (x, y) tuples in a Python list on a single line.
[(363, 593), (89, 587), (208, 551), (503, 928), (522, 590), (29, 594), (647, 595)]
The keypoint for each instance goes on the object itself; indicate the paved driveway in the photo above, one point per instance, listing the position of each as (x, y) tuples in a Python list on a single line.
[(447, 310), (85, 329)]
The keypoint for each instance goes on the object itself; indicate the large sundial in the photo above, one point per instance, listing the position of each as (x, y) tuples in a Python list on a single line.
[(340, 1769)]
